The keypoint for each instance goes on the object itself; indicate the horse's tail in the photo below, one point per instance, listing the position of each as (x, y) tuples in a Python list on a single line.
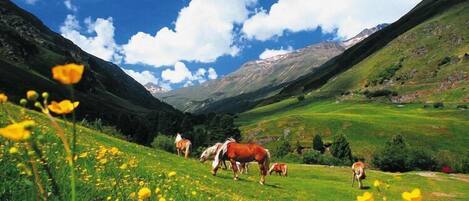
[(286, 170), (267, 160), (188, 147), (220, 153)]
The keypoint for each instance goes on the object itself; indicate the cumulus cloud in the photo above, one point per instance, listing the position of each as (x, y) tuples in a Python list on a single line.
[(203, 32), (145, 77), (268, 53), (348, 18), (102, 44), (31, 2), (68, 4), (180, 73)]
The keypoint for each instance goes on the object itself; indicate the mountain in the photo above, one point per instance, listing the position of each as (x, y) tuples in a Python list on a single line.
[(256, 80), (154, 89), (28, 51)]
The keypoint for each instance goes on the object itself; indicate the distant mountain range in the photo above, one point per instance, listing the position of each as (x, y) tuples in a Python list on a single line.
[(264, 77), (28, 51), (154, 89)]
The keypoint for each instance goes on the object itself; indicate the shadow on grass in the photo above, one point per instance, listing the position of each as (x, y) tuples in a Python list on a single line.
[(244, 180)]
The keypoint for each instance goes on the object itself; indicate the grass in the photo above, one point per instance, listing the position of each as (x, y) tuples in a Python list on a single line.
[(308, 182), (367, 125)]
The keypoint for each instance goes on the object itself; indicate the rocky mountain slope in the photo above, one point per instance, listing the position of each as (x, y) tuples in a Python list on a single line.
[(28, 51), (259, 79), (154, 89)]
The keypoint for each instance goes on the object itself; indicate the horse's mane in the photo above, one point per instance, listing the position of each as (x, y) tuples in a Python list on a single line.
[(223, 149)]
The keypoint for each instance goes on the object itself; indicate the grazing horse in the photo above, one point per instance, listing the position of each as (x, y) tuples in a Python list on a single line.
[(210, 153), (242, 167), (233, 151), (358, 170), (182, 145), (280, 168)]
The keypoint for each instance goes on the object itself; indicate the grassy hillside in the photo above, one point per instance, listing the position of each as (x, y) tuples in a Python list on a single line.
[(108, 180), (367, 125)]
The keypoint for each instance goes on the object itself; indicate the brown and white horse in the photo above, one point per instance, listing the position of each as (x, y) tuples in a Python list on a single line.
[(280, 168), (210, 153), (182, 145), (244, 153), (358, 170)]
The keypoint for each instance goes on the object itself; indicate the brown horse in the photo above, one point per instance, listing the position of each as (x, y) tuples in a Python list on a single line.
[(244, 153), (358, 171), (182, 145), (280, 168)]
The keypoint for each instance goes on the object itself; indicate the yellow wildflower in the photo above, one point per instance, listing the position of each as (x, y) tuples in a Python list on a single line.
[(172, 173), (3, 98), (157, 190), (114, 150), (365, 197), (123, 166), (13, 150), (415, 195), (83, 155), (68, 74), (17, 131), (144, 193), (141, 183), (32, 95), (377, 183), (194, 193), (64, 107), (162, 199), (132, 195), (103, 161)]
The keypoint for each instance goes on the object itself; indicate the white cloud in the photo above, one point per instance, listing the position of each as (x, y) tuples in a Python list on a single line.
[(31, 2), (143, 77), (347, 17), (68, 4), (101, 45), (180, 73), (268, 53), (203, 32)]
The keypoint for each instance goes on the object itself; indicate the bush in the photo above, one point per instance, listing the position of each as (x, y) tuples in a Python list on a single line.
[(464, 166), (438, 105), (419, 159), (463, 107), (318, 145), (379, 93), (280, 148), (393, 157), (301, 98), (164, 142), (312, 157), (292, 158), (340, 148)]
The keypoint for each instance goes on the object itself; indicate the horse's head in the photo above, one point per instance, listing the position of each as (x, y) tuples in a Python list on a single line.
[(178, 138), (204, 156)]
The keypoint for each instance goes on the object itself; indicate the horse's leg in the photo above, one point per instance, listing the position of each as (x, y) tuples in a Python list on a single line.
[(263, 171), (224, 164), (177, 149), (235, 169), (360, 185), (353, 178)]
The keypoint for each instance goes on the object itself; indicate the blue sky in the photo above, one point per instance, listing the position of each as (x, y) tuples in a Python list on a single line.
[(175, 43)]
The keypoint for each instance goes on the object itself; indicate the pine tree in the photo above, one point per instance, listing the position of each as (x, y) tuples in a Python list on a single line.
[(340, 148), (318, 145)]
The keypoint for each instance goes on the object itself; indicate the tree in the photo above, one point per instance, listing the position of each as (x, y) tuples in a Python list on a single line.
[(298, 147), (318, 145), (393, 157), (164, 143), (340, 148), (281, 149)]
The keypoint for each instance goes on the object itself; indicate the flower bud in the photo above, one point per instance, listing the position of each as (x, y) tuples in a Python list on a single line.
[(23, 102), (45, 95), (32, 95), (13, 150), (37, 104)]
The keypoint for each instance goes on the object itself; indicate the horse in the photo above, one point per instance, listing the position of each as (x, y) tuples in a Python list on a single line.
[(233, 151), (358, 173), (280, 168), (210, 153), (182, 145), (242, 167)]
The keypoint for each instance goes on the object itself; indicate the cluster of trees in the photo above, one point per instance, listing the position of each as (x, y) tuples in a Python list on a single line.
[(201, 130)]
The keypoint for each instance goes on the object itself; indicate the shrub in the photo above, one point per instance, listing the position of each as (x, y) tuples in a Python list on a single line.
[(464, 166), (393, 157), (292, 158), (419, 159), (280, 148), (463, 107), (340, 148), (379, 93), (164, 142), (312, 157), (301, 98), (318, 145), (444, 61), (438, 105)]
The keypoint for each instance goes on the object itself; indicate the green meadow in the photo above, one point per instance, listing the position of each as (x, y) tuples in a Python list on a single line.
[(148, 167)]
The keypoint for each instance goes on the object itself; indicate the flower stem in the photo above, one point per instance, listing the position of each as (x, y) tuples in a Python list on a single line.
[(74, 146)]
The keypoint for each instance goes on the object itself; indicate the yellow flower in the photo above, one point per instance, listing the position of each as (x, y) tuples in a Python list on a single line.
[(114, 150), (17, 131), (157, 190), (64, 107), (162, 199), (13, 150), (132, 195), (377, 183), (68, 74), (365, 197), (83, 155), (3, 98), (415, 195), (103, 161), (172, 173), (123, 166), (194, 193), (32, 95), (144, 193)]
